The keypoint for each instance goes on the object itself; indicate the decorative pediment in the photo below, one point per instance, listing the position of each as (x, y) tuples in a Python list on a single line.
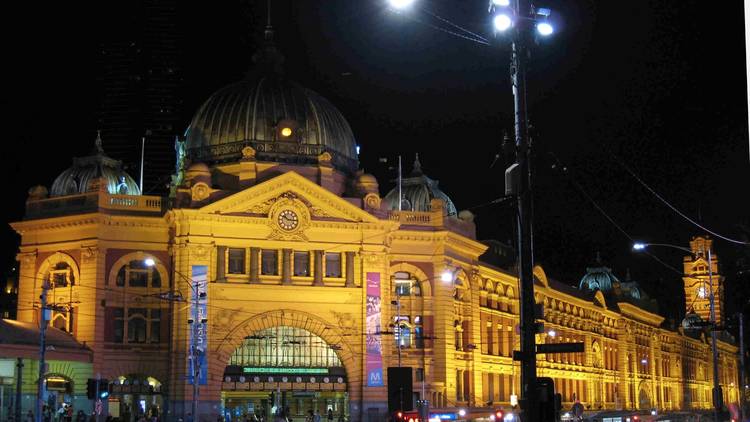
[(262, 199)]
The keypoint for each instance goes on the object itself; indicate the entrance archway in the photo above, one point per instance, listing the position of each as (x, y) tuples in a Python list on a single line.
[(644, 399), (133, 396), (284, 370)]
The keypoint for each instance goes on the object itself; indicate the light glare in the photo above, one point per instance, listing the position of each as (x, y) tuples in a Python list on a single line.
[(286, 131), (401, 4), (639, 246), (446, 276), (149, 262), (502, 22), (551, 333), (462, 412), (545, 29), (504, 3)]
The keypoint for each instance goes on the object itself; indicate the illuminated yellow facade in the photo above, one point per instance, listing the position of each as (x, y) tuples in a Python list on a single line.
[(290, 237)]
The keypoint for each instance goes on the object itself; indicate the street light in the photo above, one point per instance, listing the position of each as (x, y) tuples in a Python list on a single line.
[(401, 4), (717, 395), (519, 23)]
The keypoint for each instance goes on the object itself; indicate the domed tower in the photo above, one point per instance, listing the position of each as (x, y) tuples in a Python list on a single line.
[(417, 192), (272, 122), (87, 173)]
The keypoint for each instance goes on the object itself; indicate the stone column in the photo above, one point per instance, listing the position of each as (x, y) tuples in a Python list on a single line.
[(349, 269), (221, 253), (286, 266), (254, 264), (318, 273)]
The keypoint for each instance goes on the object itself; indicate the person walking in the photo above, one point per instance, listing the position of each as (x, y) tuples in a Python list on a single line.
[(316, 418), (80, 416), (330, 415)]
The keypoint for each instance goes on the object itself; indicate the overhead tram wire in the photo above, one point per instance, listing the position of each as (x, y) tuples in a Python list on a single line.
[(668, 204), (460, 28), (480, 40), (564, 170)]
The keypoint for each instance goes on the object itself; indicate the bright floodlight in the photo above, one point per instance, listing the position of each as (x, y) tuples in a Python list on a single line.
[(544, 28), (462, 412), (502, 22), (149, 262), (551, 333), (504, 3), (644, 361), (446, 276), (639, 246), (400, 4)]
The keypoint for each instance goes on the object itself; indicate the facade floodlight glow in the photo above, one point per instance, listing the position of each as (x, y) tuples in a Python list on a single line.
[(502, 22), (446, 276), (544, 28), (149, 262), (503, 3), (552, 333), (400, 4)]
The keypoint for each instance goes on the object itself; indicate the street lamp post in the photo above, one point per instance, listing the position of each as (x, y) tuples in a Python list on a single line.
[(716, 392)]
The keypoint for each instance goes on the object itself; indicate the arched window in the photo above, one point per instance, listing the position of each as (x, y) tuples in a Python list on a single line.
[(284, 346), (61, 275), (403, 335), (137, 273), (406, 284)]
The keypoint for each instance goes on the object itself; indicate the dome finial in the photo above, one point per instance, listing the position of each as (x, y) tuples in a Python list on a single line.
[(417, 164), (267, 57), (598, 257), (98, 143)]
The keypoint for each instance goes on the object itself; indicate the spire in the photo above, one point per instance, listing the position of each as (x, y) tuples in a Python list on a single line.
[(598, 258), (98, 143), (417, 165), (267, 58)]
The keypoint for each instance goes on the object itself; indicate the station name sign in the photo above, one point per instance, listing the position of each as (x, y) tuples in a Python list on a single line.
[(278, 370)]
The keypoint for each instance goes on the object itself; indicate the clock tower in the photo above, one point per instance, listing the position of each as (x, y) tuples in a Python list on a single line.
[(697, 280)]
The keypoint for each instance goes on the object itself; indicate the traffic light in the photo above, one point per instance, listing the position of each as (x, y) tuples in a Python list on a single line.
[(91, 388), (103, 388), (499, 415)]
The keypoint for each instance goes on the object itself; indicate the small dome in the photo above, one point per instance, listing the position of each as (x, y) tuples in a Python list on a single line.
[(598, 278), (366, 183), (38, 192), (281, 120), (87, 172), (417, 192)]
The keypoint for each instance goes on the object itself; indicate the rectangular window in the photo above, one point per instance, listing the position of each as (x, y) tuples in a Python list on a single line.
[(136, 325), (119, 325), (269, 262), (419, 337), (403, 287), (301, 264), (236, 261), (155, 326), (333, 265), (419, 374)]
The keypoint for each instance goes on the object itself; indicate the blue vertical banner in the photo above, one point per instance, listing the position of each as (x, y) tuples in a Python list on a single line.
[(199, 330)]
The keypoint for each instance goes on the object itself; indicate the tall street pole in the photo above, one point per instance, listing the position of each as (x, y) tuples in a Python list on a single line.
[(741, 317), (717, 389), (194, 351), (525, 252), (43, 318)]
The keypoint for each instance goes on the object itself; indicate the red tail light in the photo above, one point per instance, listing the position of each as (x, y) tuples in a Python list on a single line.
[(498, 415)]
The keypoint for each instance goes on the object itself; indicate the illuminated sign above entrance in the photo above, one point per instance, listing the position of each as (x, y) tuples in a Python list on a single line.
[(278, 370)]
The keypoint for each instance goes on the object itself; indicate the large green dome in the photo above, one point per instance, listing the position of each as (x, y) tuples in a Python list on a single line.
[(253, 112)]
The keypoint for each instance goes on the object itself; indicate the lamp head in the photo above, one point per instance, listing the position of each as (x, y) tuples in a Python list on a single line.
[(446, 276), (400, 4), (149, 262), (639, 246), (502, 21)]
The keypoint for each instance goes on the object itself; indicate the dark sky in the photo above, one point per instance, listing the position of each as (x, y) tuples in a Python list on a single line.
[(657, 86)]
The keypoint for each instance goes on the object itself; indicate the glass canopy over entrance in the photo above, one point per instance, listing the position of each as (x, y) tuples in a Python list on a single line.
[(285, 370)]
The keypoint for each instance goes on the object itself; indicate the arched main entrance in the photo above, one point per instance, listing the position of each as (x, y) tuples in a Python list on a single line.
[(133, 396), (284, 369)]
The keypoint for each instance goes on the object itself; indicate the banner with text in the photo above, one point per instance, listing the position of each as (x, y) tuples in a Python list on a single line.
[(198, 329), (374, 352)]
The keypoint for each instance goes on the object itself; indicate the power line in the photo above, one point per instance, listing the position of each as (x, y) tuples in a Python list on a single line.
[(668, 204)]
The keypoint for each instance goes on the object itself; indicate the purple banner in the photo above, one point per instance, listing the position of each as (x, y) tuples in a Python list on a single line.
[(198, 331), (374, 351)]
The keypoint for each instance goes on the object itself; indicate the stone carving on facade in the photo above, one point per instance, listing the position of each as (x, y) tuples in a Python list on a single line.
[(198, 252), (89, 254), (372, 201), (248, 153), (344, 320), (199, 192)]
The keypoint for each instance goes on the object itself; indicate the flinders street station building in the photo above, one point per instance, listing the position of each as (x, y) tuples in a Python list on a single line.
[(277, 275)]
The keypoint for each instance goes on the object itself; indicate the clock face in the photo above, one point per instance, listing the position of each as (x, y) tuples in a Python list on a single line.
[(288, 220)]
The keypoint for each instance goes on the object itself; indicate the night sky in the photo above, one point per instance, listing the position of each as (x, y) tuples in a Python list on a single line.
[(657, 87)]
